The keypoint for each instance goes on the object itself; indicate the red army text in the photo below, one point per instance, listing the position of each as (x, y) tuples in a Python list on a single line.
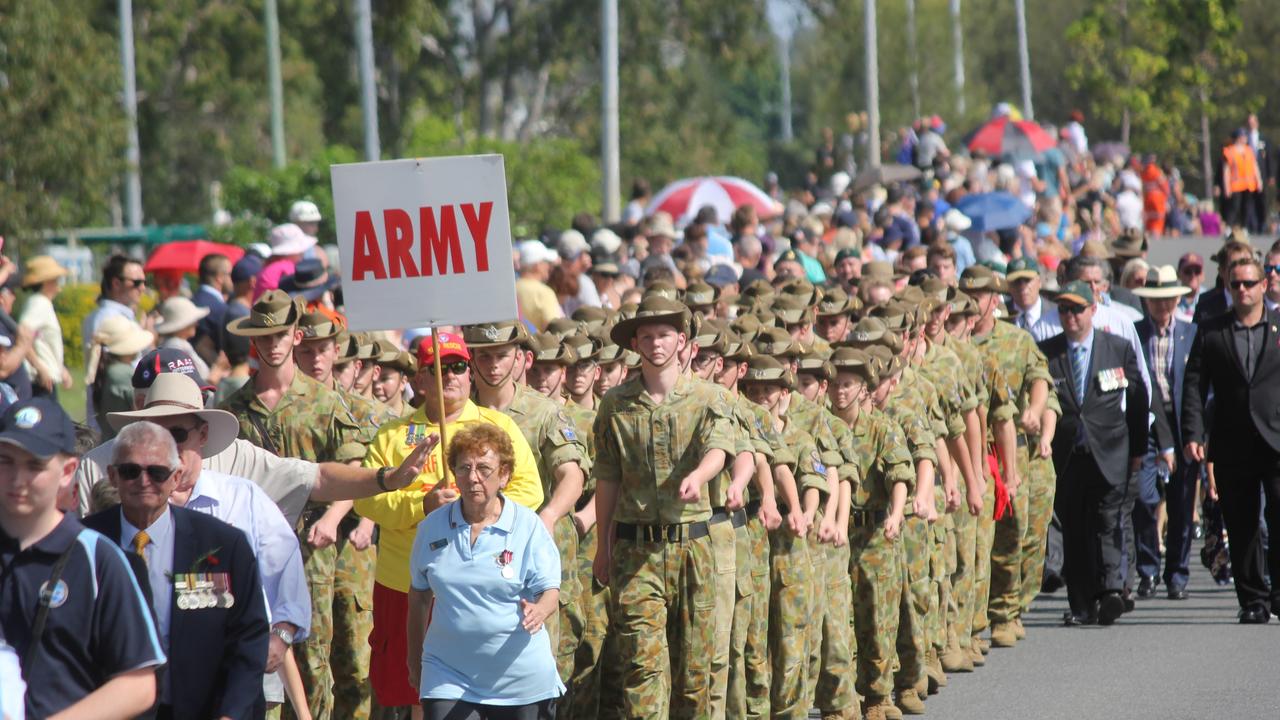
[(438, 244)]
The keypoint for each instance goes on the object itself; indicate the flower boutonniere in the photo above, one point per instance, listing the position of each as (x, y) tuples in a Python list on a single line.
[(205, 563)]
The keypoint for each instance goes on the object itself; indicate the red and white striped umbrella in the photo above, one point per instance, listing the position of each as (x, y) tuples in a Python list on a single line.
[(683, 198)]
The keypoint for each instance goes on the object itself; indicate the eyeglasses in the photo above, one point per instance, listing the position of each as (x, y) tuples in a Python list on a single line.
[(1250, 284), (181, 434), (1071, 309), (133, 282), (453, 368), (1271, 269), (132, 471), (484, 471)]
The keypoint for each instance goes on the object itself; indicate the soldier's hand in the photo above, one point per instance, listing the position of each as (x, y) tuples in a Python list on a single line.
[(953, 499), (323, 534), (733, 499), (827, 530), (1046, 447), (412, 466), (975, 504), (690, 490), (600, 564), (798, 523), (361, 537), (1011, 484), (921, 506), (769, 515), (1030, 422), (892, 526)]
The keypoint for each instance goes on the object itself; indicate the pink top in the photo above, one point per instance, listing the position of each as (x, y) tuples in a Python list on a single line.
[(1210, 224), (269, 277)]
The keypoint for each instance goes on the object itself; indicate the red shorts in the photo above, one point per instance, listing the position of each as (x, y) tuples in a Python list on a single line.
[(388, 671)]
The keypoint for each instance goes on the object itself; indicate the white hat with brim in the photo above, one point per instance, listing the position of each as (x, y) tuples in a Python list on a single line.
[(175, 394), (957, 221), (1162, 282), (177, 313), (121, 336), (289, 239)]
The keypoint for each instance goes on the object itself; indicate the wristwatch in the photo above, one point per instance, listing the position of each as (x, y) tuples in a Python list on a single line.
[(284, 634), (382, 478)]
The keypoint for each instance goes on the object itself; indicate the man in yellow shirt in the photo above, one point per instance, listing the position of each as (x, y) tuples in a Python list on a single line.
[(537, 301), (398, 512)]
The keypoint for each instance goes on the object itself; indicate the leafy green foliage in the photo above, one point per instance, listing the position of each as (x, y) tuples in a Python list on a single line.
[(73, 305)]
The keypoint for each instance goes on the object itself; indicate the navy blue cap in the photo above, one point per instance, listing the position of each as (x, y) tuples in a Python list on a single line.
[(720, 276), (40, 426), (165, 360), (246, 267)]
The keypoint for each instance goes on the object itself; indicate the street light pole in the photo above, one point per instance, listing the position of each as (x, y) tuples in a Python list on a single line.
[(368, 90), (913, 59), (274, 83), (1024, 60), (873, 84), (784, 60), (957, 42), (610, 160), (133, 155)]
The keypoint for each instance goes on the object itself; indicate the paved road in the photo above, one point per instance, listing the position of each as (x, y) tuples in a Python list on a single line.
[(1164, 661), (1167, 251)]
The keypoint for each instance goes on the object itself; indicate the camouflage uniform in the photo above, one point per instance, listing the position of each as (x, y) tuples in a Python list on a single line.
[(554, 440), (1023, 364), (1042, 485), (663, 607), (875, 562), (309, 422)]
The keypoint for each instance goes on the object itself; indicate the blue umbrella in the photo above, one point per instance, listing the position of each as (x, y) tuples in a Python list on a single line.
[(993, 211)]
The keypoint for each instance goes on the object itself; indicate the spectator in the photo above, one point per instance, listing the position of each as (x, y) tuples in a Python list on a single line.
[(805, 243), (179, 320), (97, 655), (1241, 178), (1191, 274), (482, 619), (604, 273), (244, 277), (1075, 131), (575, 262), (537, 302), (313, 283), (43, 280), (1209, 219), (640, 194), (848, 269), (192, 562), (109, 376), (1129, 202), (306, 216), (1272, 278), (1155, 196), (567, 288), (719, 242), (1134, 274), (123, 281), (288, 244), (216, 284), (15, 342)]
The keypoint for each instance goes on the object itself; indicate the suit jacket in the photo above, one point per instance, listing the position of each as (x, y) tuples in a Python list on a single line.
[(1113, 434), (1241, 405), (210, 326), (1210, 305), (1183, 335), (217, 656)]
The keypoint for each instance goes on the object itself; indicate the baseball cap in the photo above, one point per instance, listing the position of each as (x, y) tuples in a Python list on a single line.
[(451, 345), (572, 244), (720, 275), (1023, 267), (533, 252), (165, 360), (246, 267), (1076, 291), (40, 426)]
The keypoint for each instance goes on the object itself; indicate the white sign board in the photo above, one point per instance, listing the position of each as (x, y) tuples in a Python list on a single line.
[(424, 242)]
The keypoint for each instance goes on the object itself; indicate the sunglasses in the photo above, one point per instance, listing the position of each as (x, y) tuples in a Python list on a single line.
[(1270, 269), (1238, 284), (1071, 309), (457, 367), (155, 473), (181, 434), (134, 283)]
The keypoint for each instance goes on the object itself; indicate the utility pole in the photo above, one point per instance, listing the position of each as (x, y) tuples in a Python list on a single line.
[(784, 57), (913, 77), (1024, 60), (133, 156), (610, 161), (957, 41), (368, 90), (274, 83), (873, 84)]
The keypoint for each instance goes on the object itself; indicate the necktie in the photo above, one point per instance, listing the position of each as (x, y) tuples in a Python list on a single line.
[(1078, 371), (141, 541)]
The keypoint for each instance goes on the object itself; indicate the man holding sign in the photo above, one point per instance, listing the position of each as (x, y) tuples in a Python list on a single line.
[(398, 513)]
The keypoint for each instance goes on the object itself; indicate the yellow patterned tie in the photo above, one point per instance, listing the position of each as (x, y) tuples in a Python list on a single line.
[(140, 541)]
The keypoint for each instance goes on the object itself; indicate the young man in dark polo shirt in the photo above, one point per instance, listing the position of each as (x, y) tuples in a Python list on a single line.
[(85, 638)]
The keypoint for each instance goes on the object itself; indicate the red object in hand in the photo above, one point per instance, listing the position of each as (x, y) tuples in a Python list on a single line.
[(1002, 504), (213, 560)]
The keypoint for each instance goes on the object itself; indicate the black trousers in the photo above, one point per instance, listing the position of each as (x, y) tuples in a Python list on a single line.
[(1243, 480), (1180, 505), (463, 710), (1090, 510)]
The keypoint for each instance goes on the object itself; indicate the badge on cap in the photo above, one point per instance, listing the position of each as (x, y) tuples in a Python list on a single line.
[(27, 418), (490, 332)]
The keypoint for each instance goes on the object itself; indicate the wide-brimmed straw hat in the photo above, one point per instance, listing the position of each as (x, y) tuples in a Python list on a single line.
[(121, 336), (177, 313), (1162, 282), (176, 394), (41, 269)]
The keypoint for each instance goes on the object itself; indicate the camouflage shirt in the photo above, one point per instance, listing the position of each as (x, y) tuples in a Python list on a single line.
[(582, 420), (955, 391), (550, 433), (906, 408), (1014, 354), (819, 423), (648, 448), (881, 445), (971, 367), (310, 422)]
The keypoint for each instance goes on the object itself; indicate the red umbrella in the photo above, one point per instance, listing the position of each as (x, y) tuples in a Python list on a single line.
[(185, 255), (683, 198), (1003, 136)]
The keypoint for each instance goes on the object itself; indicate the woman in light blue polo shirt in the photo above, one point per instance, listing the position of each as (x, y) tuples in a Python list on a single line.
[(493, 572)]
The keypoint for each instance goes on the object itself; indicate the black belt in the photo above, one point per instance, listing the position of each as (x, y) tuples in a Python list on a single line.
[(583, 501), (737, 517), (866, 518), (753, 510), (661, 533)]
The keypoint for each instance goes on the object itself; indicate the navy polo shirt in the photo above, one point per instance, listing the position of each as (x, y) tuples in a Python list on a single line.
[(101, 625)]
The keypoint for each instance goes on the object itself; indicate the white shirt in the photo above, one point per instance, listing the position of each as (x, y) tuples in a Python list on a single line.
[(39, 315), (243, 505), (1129, 208), (159, 556), (1105, 318)]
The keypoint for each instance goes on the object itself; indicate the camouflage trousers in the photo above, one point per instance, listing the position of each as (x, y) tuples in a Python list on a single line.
[(1006, 552), (790, 622), (960, 602), (724, 544), (832, 683), (565, 628), (984, 534), (596, 682), (352, 625), (749, 670), (313, 654), (875, 574), (941, 565), (663, 618), (912, 643), (1040, 496)]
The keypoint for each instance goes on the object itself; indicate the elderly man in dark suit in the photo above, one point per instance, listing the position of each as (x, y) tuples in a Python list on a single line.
[(1166, 345), (1100, 442), (1237, 357), (203, 582)]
